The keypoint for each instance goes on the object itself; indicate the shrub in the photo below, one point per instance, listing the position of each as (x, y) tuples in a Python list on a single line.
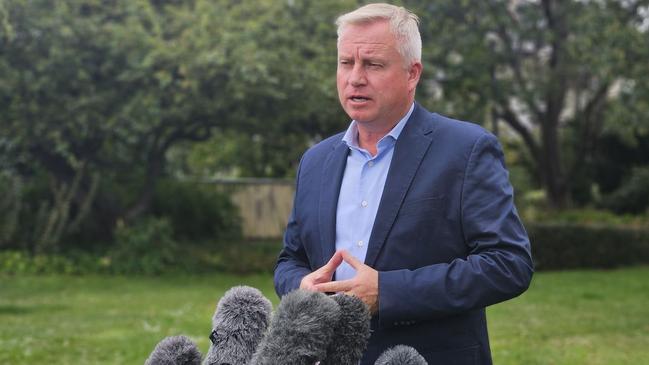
[(147, 247), (247, 257), (21, 262), (139, 252), (571, 246), (632, 196), (195, 212), (591, 217)]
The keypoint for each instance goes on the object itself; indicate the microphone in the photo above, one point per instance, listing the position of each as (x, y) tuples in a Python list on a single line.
[(176, 350), (401, 355), (351, 332), (300, 330), (238, 326)]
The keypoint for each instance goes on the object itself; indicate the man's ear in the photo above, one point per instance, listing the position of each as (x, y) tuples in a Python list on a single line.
[(414, 73)]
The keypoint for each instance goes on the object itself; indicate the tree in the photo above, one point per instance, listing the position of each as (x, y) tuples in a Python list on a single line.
[(95, 95), (284, 60), (549, 69)]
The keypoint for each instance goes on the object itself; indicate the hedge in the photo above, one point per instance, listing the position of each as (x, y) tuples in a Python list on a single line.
[(555, 246), (574, 246)]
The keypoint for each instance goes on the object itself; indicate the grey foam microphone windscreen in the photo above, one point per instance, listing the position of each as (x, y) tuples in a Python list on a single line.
[(351, 332), (401, 355), (300, 330), (239, 324), (176, 350)]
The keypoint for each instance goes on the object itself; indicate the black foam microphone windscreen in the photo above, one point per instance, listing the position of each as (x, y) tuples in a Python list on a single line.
[(239, 324), (351, 332), (300, 330), (401, 355), (176, 350)]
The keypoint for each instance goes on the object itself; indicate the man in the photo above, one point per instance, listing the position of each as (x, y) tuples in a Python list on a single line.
[(408, 210)]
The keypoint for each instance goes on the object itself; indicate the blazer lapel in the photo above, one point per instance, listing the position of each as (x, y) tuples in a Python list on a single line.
[(408, 154), (332, 173)]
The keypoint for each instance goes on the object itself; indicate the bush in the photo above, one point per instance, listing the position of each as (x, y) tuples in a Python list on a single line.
[(21, 262), (246, 257), (147, 247), (632, 196), (571, 246), (197, 213), (591, 217)]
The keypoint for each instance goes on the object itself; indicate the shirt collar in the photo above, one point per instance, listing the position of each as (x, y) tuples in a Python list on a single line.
[(351, 135)]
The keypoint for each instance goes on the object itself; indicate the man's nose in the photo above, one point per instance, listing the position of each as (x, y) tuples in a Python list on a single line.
[(358, 76)]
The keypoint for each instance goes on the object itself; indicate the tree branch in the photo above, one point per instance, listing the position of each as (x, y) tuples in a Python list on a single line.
[(513, 58), (510, 118)]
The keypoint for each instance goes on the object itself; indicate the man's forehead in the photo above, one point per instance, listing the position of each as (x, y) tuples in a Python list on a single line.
[(375, 32), (364, 48), (364, 45)]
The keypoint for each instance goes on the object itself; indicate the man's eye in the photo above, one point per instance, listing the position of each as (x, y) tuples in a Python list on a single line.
[(376, 65), (345, 62)]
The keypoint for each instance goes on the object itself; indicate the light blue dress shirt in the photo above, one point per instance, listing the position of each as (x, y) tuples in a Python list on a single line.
[(361, 191)]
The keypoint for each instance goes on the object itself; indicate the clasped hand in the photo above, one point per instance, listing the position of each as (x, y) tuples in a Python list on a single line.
[(365, 285)]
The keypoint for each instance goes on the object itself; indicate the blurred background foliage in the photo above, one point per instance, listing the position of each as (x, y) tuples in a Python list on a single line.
[(106, 104)]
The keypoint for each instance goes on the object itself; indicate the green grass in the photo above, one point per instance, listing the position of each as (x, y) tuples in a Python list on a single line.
[(106, 320), (580, 317), (575, 317)]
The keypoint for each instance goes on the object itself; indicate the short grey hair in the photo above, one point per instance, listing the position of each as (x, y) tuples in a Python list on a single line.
[(404, 24)]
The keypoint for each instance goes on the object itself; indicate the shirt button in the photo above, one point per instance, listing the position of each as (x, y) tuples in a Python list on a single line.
[(360, 243), (364, 203), (370, 164)]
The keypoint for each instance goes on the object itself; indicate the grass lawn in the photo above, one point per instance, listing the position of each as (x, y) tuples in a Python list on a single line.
[(581, 317)]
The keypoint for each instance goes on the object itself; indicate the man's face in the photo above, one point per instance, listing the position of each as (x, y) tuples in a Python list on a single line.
[(375, 87)]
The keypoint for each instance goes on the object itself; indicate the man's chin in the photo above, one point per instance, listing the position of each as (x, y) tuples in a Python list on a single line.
[(359, 116)]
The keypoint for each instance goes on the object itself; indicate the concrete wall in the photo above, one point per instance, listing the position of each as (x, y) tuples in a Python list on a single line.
[(264, 204)]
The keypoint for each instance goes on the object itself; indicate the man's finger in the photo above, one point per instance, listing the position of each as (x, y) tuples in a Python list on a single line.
[(334, 261), (351, 260), (334, 286)]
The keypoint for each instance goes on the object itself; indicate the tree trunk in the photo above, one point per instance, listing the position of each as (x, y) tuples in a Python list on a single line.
[(551, 171), (554, 178)]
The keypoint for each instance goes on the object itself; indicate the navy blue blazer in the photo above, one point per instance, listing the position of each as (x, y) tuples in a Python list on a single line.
[(447, 240)]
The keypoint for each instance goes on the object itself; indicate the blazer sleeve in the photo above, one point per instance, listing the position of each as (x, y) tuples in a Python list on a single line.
[(499, 264), (292, 264)]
